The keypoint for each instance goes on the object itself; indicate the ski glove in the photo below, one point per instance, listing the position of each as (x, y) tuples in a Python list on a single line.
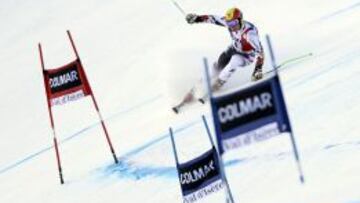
[(257, 74), (191, 18)]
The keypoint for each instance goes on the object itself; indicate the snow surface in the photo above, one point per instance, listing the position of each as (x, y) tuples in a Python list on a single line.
[(140, 58)]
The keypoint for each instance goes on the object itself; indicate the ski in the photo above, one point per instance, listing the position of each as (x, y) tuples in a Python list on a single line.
[(177, 109), (201, 100), (284, 64)]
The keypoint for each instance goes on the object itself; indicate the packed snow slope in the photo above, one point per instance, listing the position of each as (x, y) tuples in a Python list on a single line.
[(140, 58)]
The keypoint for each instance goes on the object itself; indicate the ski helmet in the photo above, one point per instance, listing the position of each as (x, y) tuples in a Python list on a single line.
[(233, 13)]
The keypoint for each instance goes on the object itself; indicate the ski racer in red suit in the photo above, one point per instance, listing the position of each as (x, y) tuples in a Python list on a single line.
[(244, 50)]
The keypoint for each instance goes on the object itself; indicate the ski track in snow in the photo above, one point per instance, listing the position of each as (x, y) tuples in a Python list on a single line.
[(338, 12), (136, 171), (347, 58), (77, 134)]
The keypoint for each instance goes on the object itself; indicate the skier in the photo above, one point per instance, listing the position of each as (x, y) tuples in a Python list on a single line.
[(244, 50)]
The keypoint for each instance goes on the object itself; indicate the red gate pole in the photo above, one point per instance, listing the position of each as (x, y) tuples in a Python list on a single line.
[(95, 103), (51, 119)]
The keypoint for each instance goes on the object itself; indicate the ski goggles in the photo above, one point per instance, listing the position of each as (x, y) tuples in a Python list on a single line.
[(232, 23)]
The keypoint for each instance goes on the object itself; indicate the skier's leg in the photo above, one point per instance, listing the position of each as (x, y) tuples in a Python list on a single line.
[(223, 62), (216, 83), (189, 96), (224, 58), (218, 66), (235, 62)]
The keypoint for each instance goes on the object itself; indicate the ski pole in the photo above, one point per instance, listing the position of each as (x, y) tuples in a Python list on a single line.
[(295, 59), (291, 60), (178, 7)]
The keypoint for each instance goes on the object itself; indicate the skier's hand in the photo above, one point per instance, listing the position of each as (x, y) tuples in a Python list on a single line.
[(260, 60), (191, 18), (257, 75)]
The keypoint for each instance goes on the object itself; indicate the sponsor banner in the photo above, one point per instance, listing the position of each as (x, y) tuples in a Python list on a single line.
[(66, 83), (209, 189), (199, 173), (245, 107), (260, 134), (250, 115), (67, 98), (64, 79)]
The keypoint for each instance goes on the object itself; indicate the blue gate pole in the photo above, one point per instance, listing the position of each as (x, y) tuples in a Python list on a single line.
[(293, 142), (297, 158), (230, 198), (272, 56), (174, 146), (221, 165)]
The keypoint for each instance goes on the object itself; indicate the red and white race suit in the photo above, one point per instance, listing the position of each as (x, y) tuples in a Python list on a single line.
[(244, 49)]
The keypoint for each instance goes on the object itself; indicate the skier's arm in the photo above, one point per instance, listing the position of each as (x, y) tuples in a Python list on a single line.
[(252, 38), (213, 19)]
